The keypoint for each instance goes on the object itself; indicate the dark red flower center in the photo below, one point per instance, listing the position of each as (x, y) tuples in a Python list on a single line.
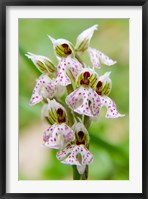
[(85, 79), (80, 139), (61, 115), (67, 50), (99, 88)]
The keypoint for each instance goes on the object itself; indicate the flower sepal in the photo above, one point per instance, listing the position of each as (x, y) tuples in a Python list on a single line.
[(43, 64), (83, 40)]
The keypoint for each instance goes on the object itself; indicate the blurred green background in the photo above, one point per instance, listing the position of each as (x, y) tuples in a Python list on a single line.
[(109, 137)]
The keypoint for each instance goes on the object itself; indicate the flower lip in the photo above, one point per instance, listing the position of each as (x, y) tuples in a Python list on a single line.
[(58, 136), (84, 101), (76, 155)]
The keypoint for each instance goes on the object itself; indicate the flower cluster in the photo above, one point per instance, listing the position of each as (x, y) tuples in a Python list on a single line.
[(87, 93)]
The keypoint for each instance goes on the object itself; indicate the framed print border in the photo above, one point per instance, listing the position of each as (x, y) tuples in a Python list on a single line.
[(3, 93)]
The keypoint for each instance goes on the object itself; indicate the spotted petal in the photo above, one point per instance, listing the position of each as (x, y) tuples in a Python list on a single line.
[(44, 88), (58, 136), (76, 155), (112, 111), (62, 77), (98, 58), (73, 65), (84, 101)]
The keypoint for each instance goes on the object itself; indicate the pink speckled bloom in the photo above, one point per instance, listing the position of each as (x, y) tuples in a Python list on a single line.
[(76, 155), (58, 136)]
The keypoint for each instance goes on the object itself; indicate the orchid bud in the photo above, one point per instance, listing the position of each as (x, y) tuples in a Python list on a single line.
[(104, 84), (43, 64), (87, 78), (83, 40), (62, 47)]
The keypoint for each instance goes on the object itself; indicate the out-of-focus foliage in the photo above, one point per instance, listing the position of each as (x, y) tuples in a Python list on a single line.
[(109, 137)]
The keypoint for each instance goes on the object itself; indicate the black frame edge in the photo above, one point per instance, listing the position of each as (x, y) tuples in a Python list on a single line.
[(144, 98), (3, 194), (74, 3)]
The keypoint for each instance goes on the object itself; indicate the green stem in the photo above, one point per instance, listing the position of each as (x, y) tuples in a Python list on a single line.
[(87, 121), (79, 59), (76, 175), (69, 88), (84, 176)]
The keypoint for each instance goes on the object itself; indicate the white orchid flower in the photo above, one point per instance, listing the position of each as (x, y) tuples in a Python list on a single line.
[(58, 136), (77, 155), (85, 100)]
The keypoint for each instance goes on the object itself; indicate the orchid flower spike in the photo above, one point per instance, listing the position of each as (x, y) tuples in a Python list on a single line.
[(83, 40), (77, 155), (98, 58), (62, 47), (43, 64)]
